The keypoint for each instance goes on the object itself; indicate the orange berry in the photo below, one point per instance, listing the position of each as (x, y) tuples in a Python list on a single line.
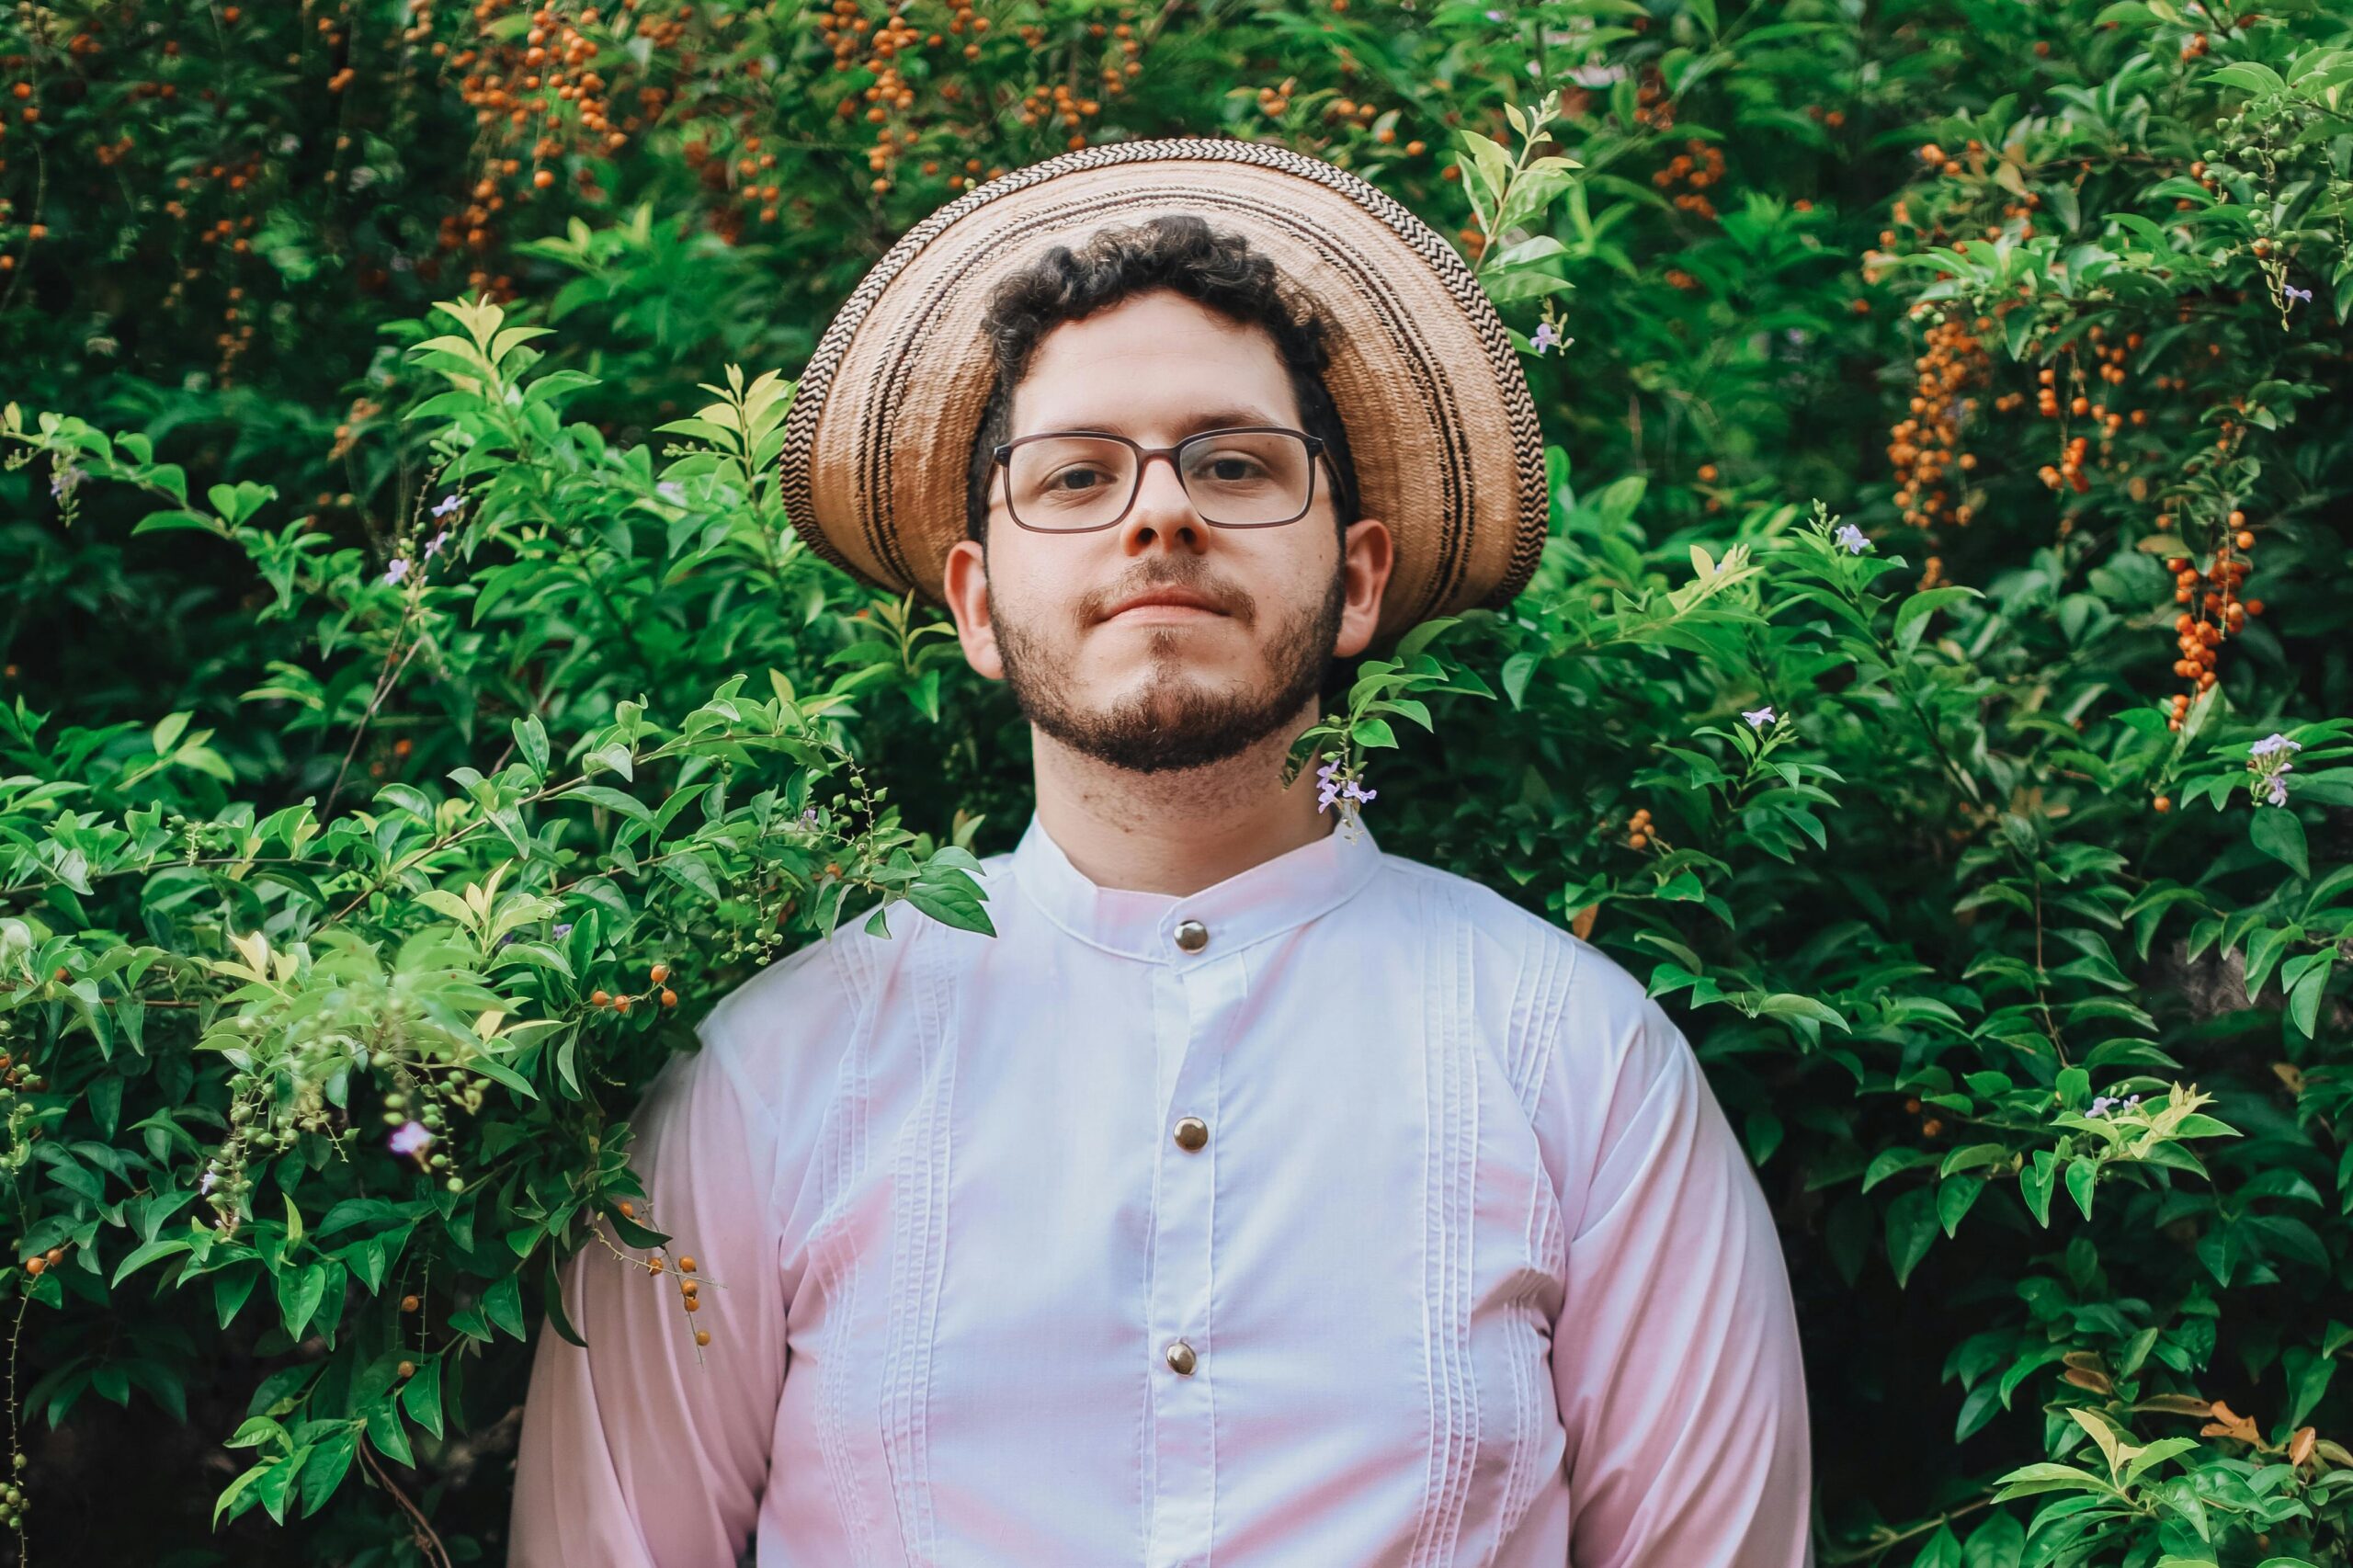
[(658, 973), (669, 997), (629, 1210), (545, 178), (620, 1003), (686, 1265), (2162, 803), (407, 1371), (35, 1263), (598, 998), (408, 1303), (703, 1336), (693, 1305)]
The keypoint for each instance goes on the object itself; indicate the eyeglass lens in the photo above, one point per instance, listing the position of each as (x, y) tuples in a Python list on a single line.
[(1238, 478)]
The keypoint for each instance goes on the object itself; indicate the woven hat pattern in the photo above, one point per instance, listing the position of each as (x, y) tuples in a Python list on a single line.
[(1440, 424)]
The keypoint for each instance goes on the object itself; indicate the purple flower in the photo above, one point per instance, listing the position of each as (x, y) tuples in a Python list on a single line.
[(1852, 537), (2270, 743), (448, 504), (433, 546), (561, 929), (2288, 294), (410, 1138), (397, 569), (1546, 336), (1759, 717), (2279, 786), (211, 1179), (62, 482), (810, 816), (1330, 789), (670, 489)]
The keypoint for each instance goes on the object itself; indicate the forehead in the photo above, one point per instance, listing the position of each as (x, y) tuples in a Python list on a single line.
[(1153, 367)]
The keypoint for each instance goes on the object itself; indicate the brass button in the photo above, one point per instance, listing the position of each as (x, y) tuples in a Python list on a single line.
[(1181, 1359), (1192, 935), (1192, 1132)]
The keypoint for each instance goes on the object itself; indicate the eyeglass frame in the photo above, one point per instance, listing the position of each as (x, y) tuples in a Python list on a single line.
[(1316, 448)]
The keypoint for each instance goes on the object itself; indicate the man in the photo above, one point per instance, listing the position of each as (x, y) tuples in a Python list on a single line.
[(1253, 1196)]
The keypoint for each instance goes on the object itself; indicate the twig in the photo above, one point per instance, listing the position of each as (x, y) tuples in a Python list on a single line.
[(420, 1528)]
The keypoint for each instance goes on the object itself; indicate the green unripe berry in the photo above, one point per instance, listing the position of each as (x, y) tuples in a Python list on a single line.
[(395, 1101), (457, 1184)]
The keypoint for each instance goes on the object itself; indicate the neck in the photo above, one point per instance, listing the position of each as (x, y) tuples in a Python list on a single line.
[(1181, 831)]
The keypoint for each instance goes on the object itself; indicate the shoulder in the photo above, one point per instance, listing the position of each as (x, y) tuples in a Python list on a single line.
[(1584, 1044), (1562, 983)]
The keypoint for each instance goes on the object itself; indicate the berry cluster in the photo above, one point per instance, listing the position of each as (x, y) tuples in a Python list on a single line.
[(1700, 165), (655, 990), (1923, 446), (2216, 612)]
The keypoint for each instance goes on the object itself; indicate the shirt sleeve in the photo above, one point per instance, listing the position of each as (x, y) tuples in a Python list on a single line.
[(1675, 1361), (643, 1451)]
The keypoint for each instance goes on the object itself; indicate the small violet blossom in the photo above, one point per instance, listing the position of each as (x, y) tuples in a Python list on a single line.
[(1346, 790), (1852, 537), (433, 546), (396, 571), (1546, 336), (1759, 717), (2290, 294), (2107, 1103), (410, 1138), (2267, 760), (671, 490), (62, 482), (449, 504), (561, 929), (211, 1179)]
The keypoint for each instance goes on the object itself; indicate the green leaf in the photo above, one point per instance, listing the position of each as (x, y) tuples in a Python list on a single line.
[(421, 1396), (1911, 1231), (2278, 832), (2081, 1176), (1911, 620)]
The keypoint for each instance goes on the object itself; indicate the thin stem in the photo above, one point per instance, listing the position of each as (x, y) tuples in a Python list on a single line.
[(420, 1528)]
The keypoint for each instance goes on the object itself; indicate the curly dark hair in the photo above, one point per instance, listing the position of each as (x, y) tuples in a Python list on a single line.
[(1176, 251)]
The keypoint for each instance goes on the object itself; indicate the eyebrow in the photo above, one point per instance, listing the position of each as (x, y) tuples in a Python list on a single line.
[(1207, 419)]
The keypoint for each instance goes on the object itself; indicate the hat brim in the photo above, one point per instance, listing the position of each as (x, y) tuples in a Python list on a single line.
[(1441, 428)]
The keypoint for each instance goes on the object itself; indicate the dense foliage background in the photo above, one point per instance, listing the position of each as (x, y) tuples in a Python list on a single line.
[(1938, 686)]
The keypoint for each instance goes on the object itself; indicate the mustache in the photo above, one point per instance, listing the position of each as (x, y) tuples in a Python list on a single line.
[(1232, 601)]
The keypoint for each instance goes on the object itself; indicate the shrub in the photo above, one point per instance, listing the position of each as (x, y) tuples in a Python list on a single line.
[(384, 801)]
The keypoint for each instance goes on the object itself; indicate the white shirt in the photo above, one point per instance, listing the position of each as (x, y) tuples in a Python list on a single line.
[(1469, 1265)]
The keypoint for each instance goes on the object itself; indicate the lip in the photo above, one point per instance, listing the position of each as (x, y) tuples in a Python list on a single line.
[(1167, 604)]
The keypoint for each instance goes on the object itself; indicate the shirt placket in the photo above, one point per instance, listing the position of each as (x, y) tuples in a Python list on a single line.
[(1181, 1339)]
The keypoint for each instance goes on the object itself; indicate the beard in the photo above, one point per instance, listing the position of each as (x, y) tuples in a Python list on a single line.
[(1174, 723)]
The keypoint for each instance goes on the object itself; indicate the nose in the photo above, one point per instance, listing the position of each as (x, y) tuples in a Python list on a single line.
[(1163, 515)]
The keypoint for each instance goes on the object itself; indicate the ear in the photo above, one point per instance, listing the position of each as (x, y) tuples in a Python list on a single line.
[(965, 583), (1368, 556)]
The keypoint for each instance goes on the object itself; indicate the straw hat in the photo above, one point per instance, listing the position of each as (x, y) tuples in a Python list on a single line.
[(1440, 422)]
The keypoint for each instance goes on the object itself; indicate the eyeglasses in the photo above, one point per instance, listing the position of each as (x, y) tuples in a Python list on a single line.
[(1247, 476)]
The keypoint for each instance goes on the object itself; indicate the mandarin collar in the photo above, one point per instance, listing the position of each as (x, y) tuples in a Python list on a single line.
[(1262, 900)]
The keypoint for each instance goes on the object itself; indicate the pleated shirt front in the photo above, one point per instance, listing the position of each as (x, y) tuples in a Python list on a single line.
[(1340, 1215)]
